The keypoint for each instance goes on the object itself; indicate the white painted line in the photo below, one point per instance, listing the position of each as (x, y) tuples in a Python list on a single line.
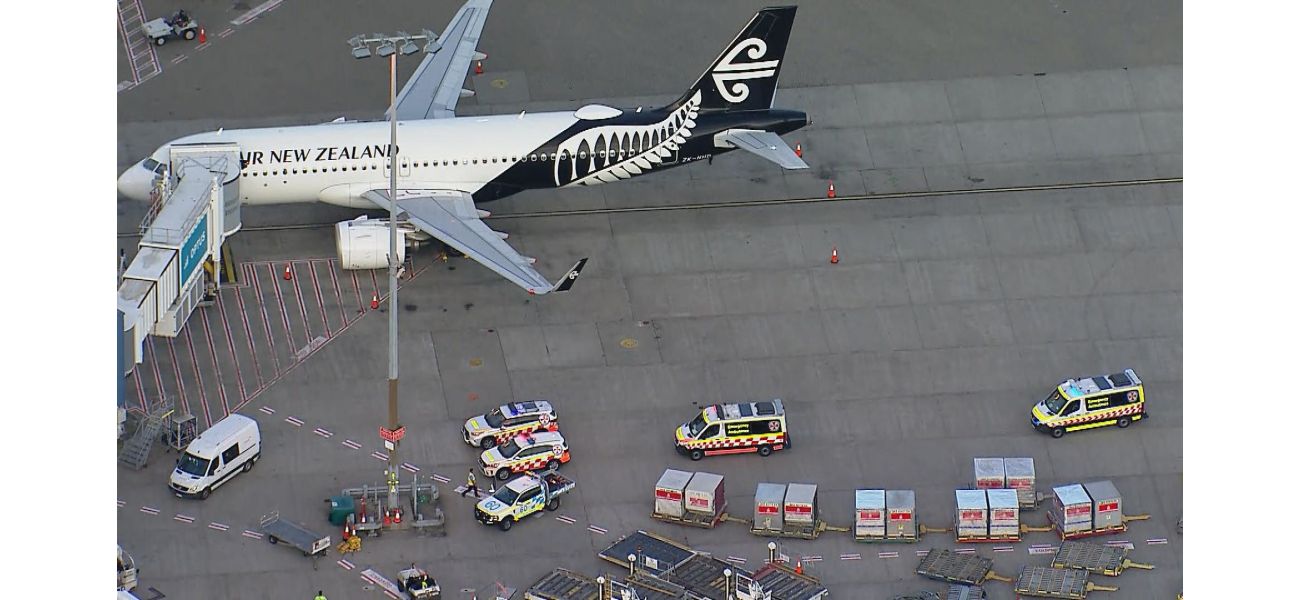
[(1124, 545), (1004, 549), (1041, 546), (367, 578), (255, 12), (295, 421), (391, 595), (1157, 541), (148, 510), (268, 410), (202, 47), (225, 33), (965, 551), (120, 504), (218, 526), (894, 554), (595, 529), (812, 558), (566, 519), (325, 433), (922, 552), (737, 560), (179, 59), (133, 31), (248, 533), (853, 556), (351, 444), (1048, 550), (379, 455), (345, 564), (410, 467), (125, 85), (183, 518), (440, 478)]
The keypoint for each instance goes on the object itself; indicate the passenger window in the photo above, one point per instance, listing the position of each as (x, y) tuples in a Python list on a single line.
[(455, 162), (494, 160), (212, 466), (1071, 407), (426, 163), (543, 158), (230, 454), (514, 159), (710, 431), (582, 154), (532, 157), (552, 156)]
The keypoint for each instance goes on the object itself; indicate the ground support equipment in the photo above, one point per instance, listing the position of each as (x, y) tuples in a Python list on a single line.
[(946, 565), (694, 519), (1046, 582), (1087, 533), (309, 542), (1094, 558)]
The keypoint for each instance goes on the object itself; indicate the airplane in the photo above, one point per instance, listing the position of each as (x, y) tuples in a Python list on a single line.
[(448, 164)]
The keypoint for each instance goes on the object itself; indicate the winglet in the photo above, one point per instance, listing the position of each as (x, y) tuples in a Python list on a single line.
[(566, 282)]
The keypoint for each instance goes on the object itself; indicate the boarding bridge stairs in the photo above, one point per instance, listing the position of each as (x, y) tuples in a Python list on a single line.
[(135, 452)]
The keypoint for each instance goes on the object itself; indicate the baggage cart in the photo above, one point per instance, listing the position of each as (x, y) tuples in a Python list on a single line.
[(900, 516), (1094, 558), (781, 581), (972, 519), (1004, 515), (297, 535), (1020, 477), (869, 515), (958, 591), (706, 497), (1047, 582), (655, 554), (768, 501), (800, 511), (946, 565), (1106, 505), (1071, 509), (670, 494), (990, 473)]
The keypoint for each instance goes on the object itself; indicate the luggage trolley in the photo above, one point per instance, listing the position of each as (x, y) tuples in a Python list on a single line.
[(283, 530), (1047, 582), (1094, 558), (946, 565)]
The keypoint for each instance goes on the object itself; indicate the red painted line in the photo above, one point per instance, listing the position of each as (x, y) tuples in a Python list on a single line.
[(355, 446), (180, 382), (302, 306), (227, 32), (139, 389), (218, 526), (152, 357), (202, 47), (375, 282), (251, 275), (338, 294), (320, 299), (148, 510), (230, 345), (180, 59), (248, 334), (345, 564), (194, 360), (249, 533), (268, 410), (212, 349), (379, 455), (284, 312), (356, 285)]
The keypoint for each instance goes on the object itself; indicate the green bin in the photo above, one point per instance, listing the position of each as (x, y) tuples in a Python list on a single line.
[(340, 508)]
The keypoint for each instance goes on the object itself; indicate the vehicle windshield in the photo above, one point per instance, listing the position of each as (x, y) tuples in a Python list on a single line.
[(506, 495), (509, 449), (1055, 402), (495, 418), (193, 465), (697, 425), (153, 165)]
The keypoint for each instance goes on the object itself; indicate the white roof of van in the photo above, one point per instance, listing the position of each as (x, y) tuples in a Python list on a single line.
[(207, 441)]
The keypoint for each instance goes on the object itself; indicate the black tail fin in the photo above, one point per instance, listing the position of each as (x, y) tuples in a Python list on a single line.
[(744, 76)]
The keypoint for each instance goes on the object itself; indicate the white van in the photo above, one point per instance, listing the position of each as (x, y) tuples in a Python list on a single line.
[(223, 451)]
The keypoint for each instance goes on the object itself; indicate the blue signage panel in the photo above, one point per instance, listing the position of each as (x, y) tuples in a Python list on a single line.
[(194, 249)]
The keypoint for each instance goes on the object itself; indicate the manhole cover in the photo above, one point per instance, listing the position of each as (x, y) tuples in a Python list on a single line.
[(500, 83), (628, 343), (475, 362)]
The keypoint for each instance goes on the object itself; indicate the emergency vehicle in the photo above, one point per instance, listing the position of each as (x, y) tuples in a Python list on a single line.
[(507, 420), (734, 428), (522, 496), (1077, 404), (525, 452)]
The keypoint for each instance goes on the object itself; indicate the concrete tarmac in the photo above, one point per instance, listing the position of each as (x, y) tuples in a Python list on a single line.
[(944, 321)]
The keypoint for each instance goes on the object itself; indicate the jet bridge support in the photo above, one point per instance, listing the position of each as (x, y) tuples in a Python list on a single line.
[(197, 210)]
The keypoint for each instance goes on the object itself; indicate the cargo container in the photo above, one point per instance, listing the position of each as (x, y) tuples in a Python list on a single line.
[(990, 473), (1004, 514), (1106, 509), (705, 494), (869, 515), (768, 501), (972, 514), (1020, 477), (900, 515), (1071, 509), (801, 503), (670, 493)]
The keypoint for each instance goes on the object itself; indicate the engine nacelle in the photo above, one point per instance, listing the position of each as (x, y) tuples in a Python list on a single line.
[(363, 242)]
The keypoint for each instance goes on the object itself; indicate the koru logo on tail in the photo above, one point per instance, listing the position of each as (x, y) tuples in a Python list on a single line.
[(731, 72)]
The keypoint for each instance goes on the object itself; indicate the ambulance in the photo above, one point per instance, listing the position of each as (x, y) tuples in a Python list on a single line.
[(508, 420), (1077, 404), (525, 452), (733, 429)]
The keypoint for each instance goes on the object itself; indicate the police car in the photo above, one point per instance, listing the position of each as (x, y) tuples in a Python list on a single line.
[(507, 420), (525, 452)]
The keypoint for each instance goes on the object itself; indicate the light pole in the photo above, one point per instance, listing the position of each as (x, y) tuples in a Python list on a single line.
[(390, 47)]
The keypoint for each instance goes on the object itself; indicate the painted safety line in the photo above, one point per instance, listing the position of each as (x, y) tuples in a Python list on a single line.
[(120, 504), (225, 33), (392, 595), (1157, 541), (567, 520), (268, 410), (410, 467), (737, 560), (595, 529), (894, 554), (255, 12), (176, 368), (355, 446), (148, 510), (134, 31), (440, 478), (812, 558), (1118, 542), (183, 518), (302, 305), (320, 298), (852, 556), (248, 533), (295, 421), (202, 47), (212, 349), (1124, 545), (122, 86), (279, 298), (198, 376), (1004, 549), (230, 345), (180, 59), (251, 274), (345, 564), (379, 455), (965, 551), (157, 373), (374, 282), (922, 552), (356, 286), (325, 433), (338, 293), (1041, 550), (218, 526)]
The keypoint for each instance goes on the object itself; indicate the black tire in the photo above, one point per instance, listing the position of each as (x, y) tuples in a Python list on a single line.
[(506, 524), (1124, 422), (553, 505), (765, 450), (203, 495), (487, 442), (248, 466), (160, 41), (503, 474), (697, 454), (1057, 432), (189, 34), (552, 464), (273, 539)]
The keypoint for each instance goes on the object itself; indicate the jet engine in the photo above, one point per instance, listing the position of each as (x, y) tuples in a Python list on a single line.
[(363, 242)]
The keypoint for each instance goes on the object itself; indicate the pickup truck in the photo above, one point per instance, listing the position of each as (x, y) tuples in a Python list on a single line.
[(523, 496)]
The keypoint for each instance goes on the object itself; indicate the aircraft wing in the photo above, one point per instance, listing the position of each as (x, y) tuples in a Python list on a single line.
[(763, 143), (450, 215), (434, 88)]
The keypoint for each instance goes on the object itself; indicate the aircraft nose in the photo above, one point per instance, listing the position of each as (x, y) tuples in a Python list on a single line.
[(135, 183)]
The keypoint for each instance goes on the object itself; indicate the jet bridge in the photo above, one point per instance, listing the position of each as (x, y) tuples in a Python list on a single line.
[(182, 235)]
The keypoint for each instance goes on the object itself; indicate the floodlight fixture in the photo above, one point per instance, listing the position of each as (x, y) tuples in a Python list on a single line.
[(409, 47), (386, 49)]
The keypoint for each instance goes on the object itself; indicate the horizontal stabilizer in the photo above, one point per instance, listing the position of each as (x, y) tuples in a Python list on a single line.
[(765, 144)]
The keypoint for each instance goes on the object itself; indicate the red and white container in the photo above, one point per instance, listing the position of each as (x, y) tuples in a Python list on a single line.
[(1106, 504), (768, 499), (1004, 513), (869, 515), (900, 514), (1020, 477), (972, 514), (670, 493), (1071, 509), (705, 494), (801, 503), (990, 473)]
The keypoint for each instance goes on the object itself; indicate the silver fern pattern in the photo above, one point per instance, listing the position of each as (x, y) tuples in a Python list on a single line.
[(613, 152)]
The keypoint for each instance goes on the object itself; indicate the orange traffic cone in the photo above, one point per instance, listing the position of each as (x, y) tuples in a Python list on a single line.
[(835, 256), (203, 36), (287, 275), (830, 190), (798, 150), (798, 568), (478, 67), (374, 301)]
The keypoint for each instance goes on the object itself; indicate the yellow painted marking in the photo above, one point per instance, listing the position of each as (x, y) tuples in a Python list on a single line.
[(628, 343), (500, 83), (475, 362)]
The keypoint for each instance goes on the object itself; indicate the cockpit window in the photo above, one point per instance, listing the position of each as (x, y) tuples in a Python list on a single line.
[(152, 165)]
